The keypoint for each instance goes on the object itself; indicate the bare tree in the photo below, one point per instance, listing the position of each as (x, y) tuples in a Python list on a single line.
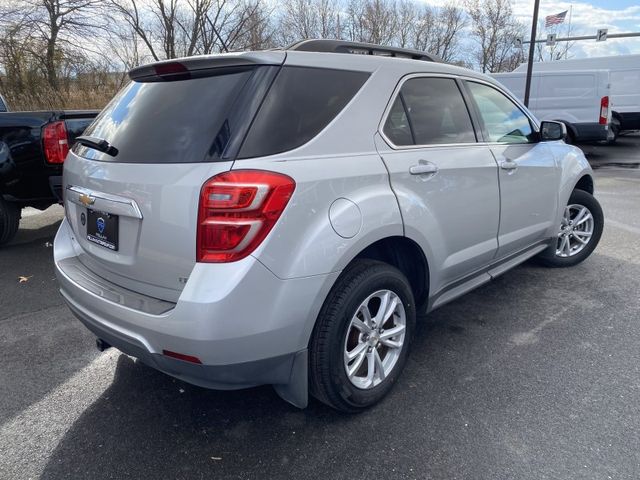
[(406, 17), (372, 21), (252, 29), (179, 28), (51, 50), (57, 26), (495, 29), (437, 30), (303, 19)]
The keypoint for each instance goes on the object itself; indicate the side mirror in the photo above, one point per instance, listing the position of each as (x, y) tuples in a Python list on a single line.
[(550, 131)]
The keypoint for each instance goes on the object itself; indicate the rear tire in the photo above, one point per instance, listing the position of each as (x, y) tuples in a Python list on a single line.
[(614, 131), (9, 221), (579, 232), (343, 339)]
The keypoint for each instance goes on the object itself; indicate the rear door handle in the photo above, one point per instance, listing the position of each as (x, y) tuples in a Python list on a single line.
[(508, 165), (423, 168)]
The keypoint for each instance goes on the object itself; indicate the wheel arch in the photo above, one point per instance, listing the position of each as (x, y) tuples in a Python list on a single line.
[(407, 256), (585, 183)]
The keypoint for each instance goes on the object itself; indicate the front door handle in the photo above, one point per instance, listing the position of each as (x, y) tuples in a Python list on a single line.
[(423, 168), (508, 165)]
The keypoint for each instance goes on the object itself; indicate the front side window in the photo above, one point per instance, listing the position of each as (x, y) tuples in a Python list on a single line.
[(429, 111), (503, 120)]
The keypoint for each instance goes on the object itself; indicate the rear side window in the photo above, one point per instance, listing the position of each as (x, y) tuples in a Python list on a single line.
[(168, 122), (3, 106), (301, 102), (397, 128), (429, 111)]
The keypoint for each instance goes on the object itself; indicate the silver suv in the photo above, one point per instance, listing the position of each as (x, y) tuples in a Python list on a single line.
[(281, 217)]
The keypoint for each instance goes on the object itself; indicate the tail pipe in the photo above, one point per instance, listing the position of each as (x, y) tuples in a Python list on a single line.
[(102, 345)]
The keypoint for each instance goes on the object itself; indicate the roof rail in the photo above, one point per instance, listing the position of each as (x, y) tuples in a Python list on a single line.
[(341, 46)]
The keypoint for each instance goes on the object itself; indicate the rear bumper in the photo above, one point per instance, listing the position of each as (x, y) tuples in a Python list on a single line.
[(274, 370), (590, 132), (245, 325), (629, 120)]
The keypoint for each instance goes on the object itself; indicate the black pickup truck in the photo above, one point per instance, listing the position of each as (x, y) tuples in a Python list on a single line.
[(33, 146)]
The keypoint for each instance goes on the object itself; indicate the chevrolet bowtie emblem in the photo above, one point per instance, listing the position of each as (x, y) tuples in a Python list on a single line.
[(87, 200)]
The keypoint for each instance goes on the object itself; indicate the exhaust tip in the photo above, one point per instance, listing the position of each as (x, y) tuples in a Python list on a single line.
[(102, 345)]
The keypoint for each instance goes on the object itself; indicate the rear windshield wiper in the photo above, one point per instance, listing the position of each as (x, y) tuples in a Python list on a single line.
[(98, 144)]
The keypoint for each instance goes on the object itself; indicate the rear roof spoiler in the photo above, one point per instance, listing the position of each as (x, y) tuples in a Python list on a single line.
[(184, 67), (358, 48)]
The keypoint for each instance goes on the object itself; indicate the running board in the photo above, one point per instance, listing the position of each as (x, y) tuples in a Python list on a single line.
[(478, 278)]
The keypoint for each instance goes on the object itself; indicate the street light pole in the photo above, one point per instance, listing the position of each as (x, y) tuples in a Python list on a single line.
[(532, 49)]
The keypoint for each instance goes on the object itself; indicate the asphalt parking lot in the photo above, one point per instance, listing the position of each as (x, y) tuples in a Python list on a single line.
[(534, 376)]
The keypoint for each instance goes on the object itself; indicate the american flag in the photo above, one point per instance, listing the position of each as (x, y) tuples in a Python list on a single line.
[(555, 19)]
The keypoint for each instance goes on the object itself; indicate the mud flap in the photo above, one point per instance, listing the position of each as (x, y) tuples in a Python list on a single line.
[(296, 392)]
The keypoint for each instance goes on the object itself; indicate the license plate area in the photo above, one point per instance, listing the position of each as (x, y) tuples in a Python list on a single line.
[(102, 229)]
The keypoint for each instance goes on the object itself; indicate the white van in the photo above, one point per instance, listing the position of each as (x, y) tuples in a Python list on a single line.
[(579, 98), (625, 84)]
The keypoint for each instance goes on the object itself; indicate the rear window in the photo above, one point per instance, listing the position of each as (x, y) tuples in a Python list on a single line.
[(301, 102), (168, 122)]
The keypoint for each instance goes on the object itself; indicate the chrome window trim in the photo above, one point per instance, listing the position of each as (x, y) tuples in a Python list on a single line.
[(396, 91)]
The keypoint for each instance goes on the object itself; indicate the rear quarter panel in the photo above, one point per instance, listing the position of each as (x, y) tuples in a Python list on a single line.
[(341, 162), (304, 242)]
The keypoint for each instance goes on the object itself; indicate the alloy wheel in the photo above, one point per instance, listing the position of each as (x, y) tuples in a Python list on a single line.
[(576, 230), (374, 340)]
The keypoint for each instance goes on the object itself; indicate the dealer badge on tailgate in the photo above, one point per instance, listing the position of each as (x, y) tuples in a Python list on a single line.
[(102, 229)]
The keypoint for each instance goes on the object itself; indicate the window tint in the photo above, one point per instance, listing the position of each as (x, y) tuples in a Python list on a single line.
[(168, 122), (503, 120), (3, 106), (397, 128), (301, 102), (436, 113)]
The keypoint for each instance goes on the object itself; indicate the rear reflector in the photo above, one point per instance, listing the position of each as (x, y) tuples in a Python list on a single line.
[(604, 111), (55, 142), (182, 356), (237, 210)]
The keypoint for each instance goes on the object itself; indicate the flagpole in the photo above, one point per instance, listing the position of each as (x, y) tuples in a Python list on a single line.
[(566, 47), (532, 46)]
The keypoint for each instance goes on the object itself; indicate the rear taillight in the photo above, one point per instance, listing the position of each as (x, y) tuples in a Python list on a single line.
[(237, 210), (604, 111), (55, 142)]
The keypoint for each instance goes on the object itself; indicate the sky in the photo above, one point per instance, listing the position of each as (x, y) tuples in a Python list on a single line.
[(618, 16)]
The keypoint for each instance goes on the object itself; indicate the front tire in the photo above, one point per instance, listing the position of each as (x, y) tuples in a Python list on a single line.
[(9, 221), (579, 233), (361, 340)]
